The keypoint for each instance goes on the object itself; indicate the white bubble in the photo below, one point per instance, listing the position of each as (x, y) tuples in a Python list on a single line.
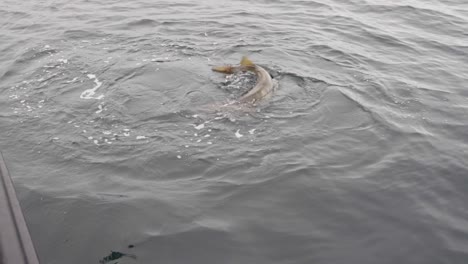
[(238, 135), (201, 126), (100, 109)]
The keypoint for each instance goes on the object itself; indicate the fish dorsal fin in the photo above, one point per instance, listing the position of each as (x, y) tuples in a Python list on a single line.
[(246, 62)]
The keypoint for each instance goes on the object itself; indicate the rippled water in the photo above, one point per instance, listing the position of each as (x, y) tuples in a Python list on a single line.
[(112, 129)]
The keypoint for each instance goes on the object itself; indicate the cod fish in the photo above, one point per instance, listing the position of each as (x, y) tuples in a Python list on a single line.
[(263, 88)]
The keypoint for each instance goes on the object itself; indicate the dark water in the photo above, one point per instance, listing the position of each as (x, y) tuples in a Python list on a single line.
[(110, 130)]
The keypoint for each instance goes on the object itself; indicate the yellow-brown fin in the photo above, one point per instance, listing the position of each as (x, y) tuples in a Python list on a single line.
[(224, 69), (246, 62)]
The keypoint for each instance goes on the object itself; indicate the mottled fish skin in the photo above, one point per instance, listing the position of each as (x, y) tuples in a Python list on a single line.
[(264, 87)]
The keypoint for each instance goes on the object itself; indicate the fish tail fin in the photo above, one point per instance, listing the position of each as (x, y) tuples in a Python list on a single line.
[(246, 62), (224, 69)]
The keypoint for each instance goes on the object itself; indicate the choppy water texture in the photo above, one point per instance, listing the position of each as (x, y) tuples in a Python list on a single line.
[(112, 129)]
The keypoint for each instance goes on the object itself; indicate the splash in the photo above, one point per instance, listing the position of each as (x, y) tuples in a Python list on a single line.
[(89, 93)]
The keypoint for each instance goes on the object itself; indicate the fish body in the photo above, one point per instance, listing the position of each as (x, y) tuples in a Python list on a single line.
[(265, 84)]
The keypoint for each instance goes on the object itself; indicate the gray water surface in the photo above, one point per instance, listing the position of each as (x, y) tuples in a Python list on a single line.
[(113, 131)]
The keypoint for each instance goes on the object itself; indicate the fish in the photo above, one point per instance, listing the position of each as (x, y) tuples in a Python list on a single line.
[(263, 88)]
